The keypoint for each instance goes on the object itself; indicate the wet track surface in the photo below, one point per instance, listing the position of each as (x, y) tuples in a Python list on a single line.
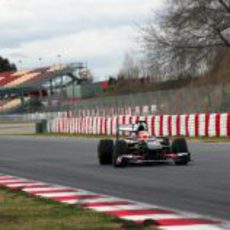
[(202, 187)]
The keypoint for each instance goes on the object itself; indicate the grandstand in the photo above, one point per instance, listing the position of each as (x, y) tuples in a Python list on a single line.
[(42, 88)]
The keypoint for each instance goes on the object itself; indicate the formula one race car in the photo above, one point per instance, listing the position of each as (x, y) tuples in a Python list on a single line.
[(140, 147)]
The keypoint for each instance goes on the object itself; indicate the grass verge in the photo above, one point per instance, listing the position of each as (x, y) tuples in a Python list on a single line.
[(18, 211)]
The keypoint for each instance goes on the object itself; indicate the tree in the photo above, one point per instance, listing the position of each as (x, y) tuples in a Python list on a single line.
[(188, 37), (112, 80), (5, 65), (129, 69)]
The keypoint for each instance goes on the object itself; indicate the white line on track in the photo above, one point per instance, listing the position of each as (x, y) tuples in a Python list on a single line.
[(152, 216), (118, 208), (196, 227), (41, 189), (64, 194), (13, 181), (90, 201), (25, 184)]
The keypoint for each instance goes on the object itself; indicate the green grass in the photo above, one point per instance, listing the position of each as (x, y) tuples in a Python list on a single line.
[(20, 212)]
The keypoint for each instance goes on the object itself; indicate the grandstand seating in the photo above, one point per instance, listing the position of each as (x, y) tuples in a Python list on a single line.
[(6, 77), (20, 73), (20, 80), (12, 79), (33, 84), (56, 68), (2, 102), (28, 78), (11, 104), (42, 76)]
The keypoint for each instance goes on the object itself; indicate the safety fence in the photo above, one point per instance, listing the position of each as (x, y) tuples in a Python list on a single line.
[(190, 125), (187, 100)]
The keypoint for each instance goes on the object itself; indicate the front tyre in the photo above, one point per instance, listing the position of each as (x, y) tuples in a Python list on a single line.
[(180, 146), (105, 152)]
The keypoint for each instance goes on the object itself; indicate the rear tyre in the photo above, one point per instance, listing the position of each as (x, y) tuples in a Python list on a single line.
[(179, 145), (105, 152), (121, 148)]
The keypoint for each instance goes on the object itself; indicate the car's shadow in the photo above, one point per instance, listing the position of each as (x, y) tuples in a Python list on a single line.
[(158, 164)]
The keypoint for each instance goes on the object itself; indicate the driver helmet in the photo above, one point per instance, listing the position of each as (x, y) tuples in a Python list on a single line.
[(141, 126)]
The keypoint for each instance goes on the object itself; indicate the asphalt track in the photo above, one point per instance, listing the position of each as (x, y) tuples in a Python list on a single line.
[(202, 187)]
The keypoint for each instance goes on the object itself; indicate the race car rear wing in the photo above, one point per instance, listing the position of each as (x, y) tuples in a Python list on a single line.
[(125, 128)]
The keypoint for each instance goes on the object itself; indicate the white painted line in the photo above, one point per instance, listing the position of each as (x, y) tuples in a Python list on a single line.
[(39, 189), (63, 194), (105, 208), (151, 216), (13, 181), (6, 177), (118, 208), (90, 201), (193, 227), (24, 185)]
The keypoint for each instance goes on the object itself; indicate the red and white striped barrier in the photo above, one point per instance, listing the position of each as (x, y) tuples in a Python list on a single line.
[(124, 209), (189, 125)]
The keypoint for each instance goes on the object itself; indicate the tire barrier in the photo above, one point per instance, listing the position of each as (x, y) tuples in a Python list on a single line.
[(189, 125)]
